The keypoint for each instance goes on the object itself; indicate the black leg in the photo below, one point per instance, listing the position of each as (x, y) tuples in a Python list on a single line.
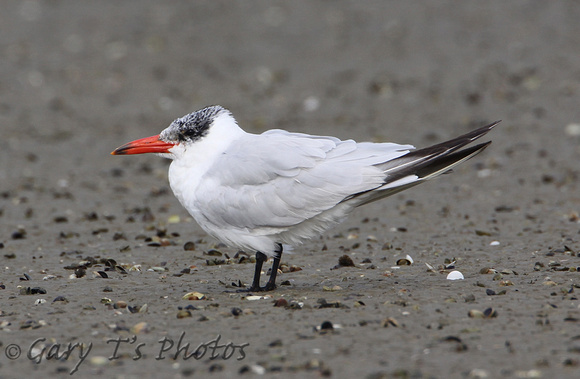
[(260, 259), (271, 285)]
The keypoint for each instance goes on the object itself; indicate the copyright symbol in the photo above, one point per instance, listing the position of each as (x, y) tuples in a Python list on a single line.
[(12, 351)]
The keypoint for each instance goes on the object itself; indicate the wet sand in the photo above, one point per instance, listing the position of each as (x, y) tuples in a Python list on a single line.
[(93, 245)]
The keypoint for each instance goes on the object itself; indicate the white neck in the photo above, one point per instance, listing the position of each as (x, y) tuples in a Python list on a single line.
[(192, 161)]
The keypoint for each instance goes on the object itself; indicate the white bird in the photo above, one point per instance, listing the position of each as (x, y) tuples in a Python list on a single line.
[(258, 192)]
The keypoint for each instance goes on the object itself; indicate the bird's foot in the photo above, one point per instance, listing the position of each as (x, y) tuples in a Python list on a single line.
[(271, 284), (269, 287)]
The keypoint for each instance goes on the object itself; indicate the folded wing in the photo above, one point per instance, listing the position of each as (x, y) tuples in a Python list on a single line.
[(279, 179)]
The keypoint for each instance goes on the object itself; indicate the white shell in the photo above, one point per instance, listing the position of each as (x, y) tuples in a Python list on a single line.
[(256, 297), (455, 275)]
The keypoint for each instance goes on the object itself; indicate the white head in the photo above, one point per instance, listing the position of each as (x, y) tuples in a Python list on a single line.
[(182, 133)]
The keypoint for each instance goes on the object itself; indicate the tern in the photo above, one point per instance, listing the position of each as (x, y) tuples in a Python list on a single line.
[(260, 192)]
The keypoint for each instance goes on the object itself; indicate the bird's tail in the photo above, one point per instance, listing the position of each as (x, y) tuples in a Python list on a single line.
[(420, 165)]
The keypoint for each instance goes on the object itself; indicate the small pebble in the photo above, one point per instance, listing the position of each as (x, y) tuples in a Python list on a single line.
[(79, 273), (506, 283), (140, 328), (478, 373), (573, 130), (281, 303), (183, 314), (99, 360), (18, 235), (474, 313), (333, 288), (490, 312), (345, 261), (174, 219), (326, 325), (275, 343), (407, 261), (194, 296), (469, 298), (389, 321)]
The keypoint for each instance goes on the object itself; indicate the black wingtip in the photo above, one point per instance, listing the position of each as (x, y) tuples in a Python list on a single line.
[(449, 160), (492, 125), (454, 144), (475, 134)]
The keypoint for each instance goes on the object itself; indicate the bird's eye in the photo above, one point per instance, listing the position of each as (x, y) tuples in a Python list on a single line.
[(194, 132)]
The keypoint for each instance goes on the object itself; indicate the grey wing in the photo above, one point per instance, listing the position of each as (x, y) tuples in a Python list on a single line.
[(280, 179)]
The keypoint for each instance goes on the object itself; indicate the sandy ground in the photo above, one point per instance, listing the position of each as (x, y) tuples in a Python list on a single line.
[(77, 79)]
